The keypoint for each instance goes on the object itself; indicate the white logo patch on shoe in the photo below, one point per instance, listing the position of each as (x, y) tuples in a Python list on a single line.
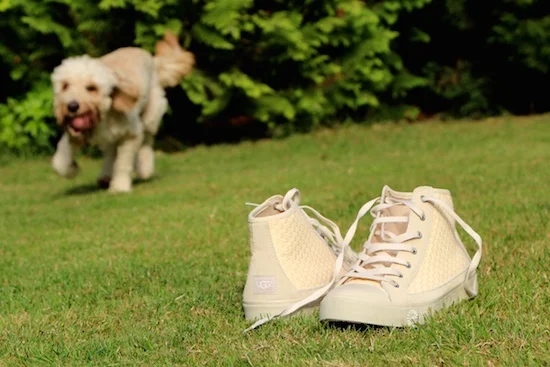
[(412, 317), (265, 285)]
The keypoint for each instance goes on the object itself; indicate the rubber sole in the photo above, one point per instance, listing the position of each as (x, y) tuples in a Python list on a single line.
[(354, 311), (254, 312)]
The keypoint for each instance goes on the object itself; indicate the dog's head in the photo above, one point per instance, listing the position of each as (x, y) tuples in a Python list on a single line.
[(85, 89)]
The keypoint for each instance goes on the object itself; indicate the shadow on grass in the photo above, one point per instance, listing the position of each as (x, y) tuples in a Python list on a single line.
[(341, 325), (91, 188), (83, 189)]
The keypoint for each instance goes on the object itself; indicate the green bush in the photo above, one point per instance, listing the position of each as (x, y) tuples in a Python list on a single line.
[(24, 124), (291, 65), (288, 65), (481, 57)]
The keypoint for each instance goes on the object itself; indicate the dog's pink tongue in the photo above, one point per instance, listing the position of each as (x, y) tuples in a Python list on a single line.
[(82, 122)]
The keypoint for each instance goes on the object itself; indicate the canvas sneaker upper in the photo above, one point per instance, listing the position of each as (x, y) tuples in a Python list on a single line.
[(297, 255), (412, 263)]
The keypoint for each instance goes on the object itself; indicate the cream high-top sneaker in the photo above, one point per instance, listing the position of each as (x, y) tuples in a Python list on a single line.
[(413, 262), (295, 259)]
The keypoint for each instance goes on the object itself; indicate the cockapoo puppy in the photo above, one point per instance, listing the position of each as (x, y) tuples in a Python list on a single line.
[(116, 102)]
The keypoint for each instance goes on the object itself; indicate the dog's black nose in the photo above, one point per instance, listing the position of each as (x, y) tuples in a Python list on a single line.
[(73, 106)]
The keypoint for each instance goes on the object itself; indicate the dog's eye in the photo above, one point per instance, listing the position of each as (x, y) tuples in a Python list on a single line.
[(64, 86), (91, 88)]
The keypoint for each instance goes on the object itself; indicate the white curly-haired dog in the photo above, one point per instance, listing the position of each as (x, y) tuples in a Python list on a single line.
[(117, 103)]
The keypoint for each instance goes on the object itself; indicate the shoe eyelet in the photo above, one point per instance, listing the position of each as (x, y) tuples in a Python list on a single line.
[(409, 265), (395, 284), (422, 198), (419, 235), (400, 275), (414, 252), (423, 217)]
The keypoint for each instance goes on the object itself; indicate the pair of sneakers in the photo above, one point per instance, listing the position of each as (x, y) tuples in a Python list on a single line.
[(412, 264)]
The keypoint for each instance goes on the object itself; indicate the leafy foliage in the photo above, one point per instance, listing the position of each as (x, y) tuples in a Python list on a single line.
[(292, 65), (281, 63), (481, 57), (22, 122)]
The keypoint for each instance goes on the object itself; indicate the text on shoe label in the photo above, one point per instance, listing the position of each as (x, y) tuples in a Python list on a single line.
[(265, 285)]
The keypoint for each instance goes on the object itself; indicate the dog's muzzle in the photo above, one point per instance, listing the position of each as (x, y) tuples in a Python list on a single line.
[(80, 126)]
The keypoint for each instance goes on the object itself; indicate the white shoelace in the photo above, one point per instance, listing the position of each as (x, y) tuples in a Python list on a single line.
[(373, 260), (394, 243), (328, 230)]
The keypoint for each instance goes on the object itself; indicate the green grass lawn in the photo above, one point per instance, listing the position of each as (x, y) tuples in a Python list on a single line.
[(155, 277)]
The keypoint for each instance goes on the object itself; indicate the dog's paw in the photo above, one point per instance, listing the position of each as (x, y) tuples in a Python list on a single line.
[(120, 185), (73, 170), (145, 163), (64, 169), (104, 182)]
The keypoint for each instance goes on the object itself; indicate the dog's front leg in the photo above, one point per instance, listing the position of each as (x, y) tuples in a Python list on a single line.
[(124, 164), (63, 160), (109, 156)]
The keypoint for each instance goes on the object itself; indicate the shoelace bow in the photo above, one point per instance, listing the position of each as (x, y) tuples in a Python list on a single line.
[(328, 230)]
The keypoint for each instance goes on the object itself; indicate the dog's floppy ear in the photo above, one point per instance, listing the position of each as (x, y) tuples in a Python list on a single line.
[(125, 92), (59, 113), (124, 96), (58, 107)]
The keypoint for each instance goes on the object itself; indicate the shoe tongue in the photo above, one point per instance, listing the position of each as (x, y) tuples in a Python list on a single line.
[(284, 203), (272, 206), (388, 195)]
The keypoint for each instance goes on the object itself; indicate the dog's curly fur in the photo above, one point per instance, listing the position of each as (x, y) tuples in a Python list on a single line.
[(117, 103)]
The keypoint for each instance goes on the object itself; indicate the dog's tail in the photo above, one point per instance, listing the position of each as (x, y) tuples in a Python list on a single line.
[(171, 61)]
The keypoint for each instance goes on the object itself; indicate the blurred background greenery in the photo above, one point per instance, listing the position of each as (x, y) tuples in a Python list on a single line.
[(272, 67)]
